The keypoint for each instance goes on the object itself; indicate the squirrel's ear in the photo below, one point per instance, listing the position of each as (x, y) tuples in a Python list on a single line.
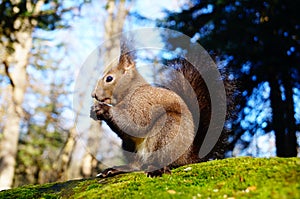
[(126, 61)]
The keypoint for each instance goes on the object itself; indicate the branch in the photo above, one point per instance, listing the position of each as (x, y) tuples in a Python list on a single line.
[(8, 74)]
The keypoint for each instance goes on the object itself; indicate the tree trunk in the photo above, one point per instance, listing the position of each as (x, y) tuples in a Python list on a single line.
[(117, 13), (291, 139), (18, 75), (89, 162), (15, 64), (278, 120), (283, 120), (113, 26), (65, 157)]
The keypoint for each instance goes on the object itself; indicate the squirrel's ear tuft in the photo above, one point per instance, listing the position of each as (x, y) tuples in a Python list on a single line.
[(127, 57), (126, 61)]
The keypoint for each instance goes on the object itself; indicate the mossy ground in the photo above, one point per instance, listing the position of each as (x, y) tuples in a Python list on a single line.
[(229, 178)]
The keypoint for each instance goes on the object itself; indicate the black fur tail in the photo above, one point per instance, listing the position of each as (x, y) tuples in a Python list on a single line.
[(188, 83)]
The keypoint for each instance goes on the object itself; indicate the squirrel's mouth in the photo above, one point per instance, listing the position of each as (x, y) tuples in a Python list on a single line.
[(106, 100)]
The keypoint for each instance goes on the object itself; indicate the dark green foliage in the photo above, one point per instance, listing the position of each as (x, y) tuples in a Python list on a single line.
[(37, 154), (49, 18), (260, 42)]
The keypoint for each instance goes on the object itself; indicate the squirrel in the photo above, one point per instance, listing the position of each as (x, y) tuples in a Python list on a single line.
[(158, 125)]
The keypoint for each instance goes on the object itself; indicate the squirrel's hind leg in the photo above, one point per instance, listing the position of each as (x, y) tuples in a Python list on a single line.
[(157, 173)]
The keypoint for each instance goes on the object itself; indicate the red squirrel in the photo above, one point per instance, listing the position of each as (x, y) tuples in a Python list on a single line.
[(160, 127)]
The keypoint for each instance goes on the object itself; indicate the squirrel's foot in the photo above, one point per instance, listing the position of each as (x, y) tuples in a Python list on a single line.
[(109, 173), (116, 171), (157, 173)]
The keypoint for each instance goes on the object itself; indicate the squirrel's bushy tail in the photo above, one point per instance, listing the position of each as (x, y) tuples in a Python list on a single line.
[(189, 84)]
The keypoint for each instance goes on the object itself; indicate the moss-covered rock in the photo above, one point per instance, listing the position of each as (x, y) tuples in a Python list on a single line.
[(229, 178)]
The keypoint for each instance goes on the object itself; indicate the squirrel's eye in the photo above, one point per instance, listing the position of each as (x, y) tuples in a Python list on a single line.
[(109, 78)]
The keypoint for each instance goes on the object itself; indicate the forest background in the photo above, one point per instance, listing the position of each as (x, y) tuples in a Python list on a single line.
[(44, 44)]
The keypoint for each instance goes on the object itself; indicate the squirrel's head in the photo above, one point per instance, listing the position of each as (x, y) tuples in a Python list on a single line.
[(116, 82)]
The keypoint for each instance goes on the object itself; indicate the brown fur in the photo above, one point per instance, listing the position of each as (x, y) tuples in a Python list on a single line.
[(150, 119)]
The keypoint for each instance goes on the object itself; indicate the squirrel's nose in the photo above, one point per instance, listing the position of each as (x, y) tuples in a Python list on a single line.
[(93, 94)]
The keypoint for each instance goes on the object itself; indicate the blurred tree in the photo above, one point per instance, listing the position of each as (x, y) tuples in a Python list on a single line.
[(19, 19), (44, 129), (259, 41), (38, 146), (114, 22)]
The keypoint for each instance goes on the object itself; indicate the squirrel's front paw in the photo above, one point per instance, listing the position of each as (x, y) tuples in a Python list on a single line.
[(99, 111)]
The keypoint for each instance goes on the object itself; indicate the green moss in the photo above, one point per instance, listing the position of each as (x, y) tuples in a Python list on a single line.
[(229, 178)]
